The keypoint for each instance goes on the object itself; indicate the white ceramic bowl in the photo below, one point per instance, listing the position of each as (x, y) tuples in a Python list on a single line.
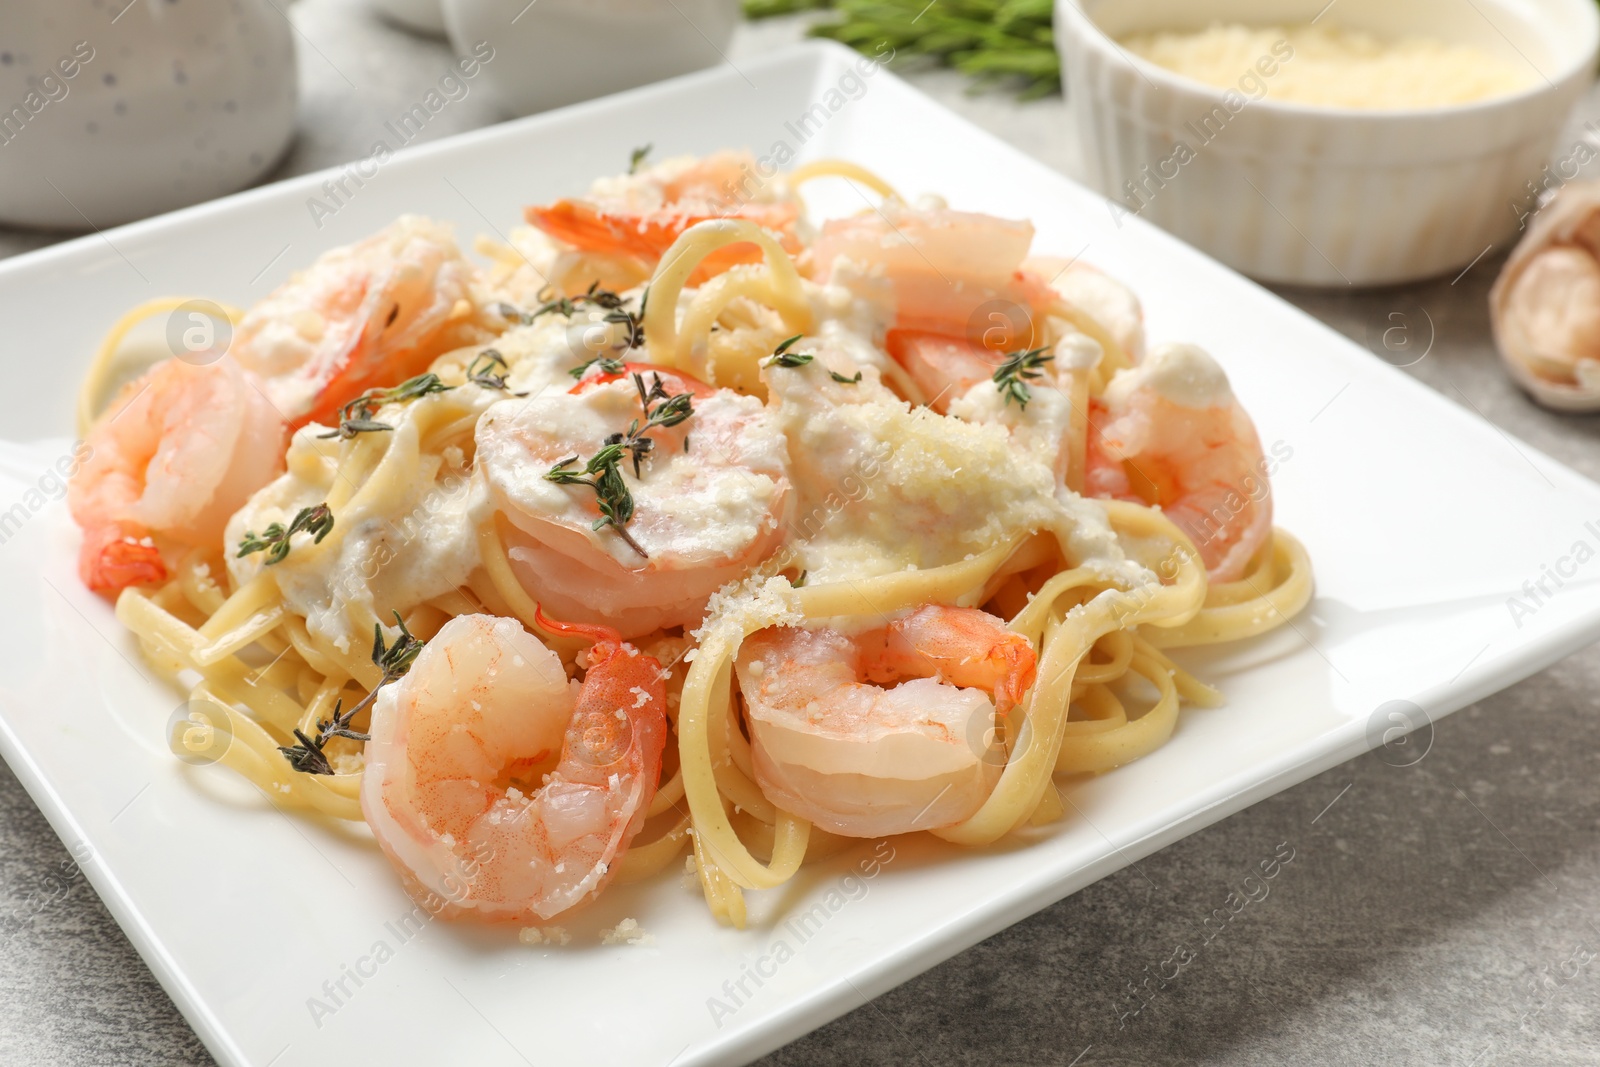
[(1324, 196), (419, 16), (557, 52), (174, 104)]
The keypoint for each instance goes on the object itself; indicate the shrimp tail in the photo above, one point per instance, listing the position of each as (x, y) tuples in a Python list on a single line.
[(1018, 664), (596, 634), (113, 558)]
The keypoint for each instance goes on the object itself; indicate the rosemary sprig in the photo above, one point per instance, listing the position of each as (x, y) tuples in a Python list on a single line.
[(637, 156), (991, 40), (782, 357), (482, 370), (394, 661), (356, 416), (1017, 371), (275, 540)]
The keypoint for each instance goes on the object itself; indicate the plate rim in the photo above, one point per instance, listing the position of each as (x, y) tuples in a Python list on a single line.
[(826, 1001)]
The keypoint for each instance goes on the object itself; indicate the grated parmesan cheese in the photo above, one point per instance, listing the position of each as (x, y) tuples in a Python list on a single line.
[(1325, 66)]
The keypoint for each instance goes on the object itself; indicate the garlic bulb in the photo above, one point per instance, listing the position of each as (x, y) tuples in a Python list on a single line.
[(1545, 306)]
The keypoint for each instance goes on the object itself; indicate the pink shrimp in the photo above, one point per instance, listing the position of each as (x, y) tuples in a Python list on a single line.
[(1170, 432), (369, 314), (639, 216), (708, 500), (464, 789), (832, 745), (944, 266), (178, 452)]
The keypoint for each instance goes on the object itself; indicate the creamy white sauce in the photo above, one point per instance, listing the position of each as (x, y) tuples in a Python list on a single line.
[(707, 503), (1183, 374), (416, 547)]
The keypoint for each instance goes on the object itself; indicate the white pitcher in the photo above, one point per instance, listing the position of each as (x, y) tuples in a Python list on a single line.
[(117, 110)]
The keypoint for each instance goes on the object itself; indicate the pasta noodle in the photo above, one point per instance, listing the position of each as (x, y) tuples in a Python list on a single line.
[(259, 667)]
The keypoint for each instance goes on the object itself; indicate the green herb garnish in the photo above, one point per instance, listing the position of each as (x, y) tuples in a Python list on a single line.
[(394, 661), (637, 156), (608, 365), (603, 471), (672, 410), (1014, 374), (782, 357), (603, 474), (356, 416), (991, 40), (482, 370), (275, 540), (842, 380)]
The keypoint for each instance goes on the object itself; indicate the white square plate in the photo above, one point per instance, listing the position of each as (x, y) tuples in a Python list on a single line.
[(1422, 521)]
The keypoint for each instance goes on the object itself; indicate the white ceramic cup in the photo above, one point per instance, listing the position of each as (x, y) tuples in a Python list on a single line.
[(419, 16), (110, 113), (1323, 196), (555, 52)]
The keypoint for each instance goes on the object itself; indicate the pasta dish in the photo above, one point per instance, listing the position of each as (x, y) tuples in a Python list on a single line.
[(679, 522)]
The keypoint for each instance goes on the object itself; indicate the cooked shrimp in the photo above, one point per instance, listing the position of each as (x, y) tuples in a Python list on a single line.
[(1170, 432), (463, 788), (177, 453), (943, 267), (832, 745), (636, 217), (709, 498), (1110, 303), (368, 314)]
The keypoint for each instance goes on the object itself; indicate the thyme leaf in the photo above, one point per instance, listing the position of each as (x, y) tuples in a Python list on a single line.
[(782, 357), (842, 380), (608, 365), (394, 661), (603, 474), (568, 306), (275, 540), (637, 156), (356, 416), (603, 471), (482, 370), (1017, 371)]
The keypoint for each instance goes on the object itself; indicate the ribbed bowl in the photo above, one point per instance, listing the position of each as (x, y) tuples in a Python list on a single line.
[(1324, 196)]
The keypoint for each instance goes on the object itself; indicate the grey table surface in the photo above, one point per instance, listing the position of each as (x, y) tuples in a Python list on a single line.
[(1442, 913)]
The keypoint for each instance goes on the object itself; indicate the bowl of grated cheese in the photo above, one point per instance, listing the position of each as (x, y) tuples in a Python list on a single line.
[(1357, 142)]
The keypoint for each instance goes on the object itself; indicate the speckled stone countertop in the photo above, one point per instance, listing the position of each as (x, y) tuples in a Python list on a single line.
[(1443, 913)]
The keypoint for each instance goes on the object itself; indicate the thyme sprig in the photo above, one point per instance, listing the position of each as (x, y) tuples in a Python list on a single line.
[(672, 410), (637, 157), (603, 471), (568, 305), (357, 416), (608, 365), (603, 474), (1017, 371), (782, 357), (842, 380), (275, 540), (394, 661), (632, 321), (482, 371)]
